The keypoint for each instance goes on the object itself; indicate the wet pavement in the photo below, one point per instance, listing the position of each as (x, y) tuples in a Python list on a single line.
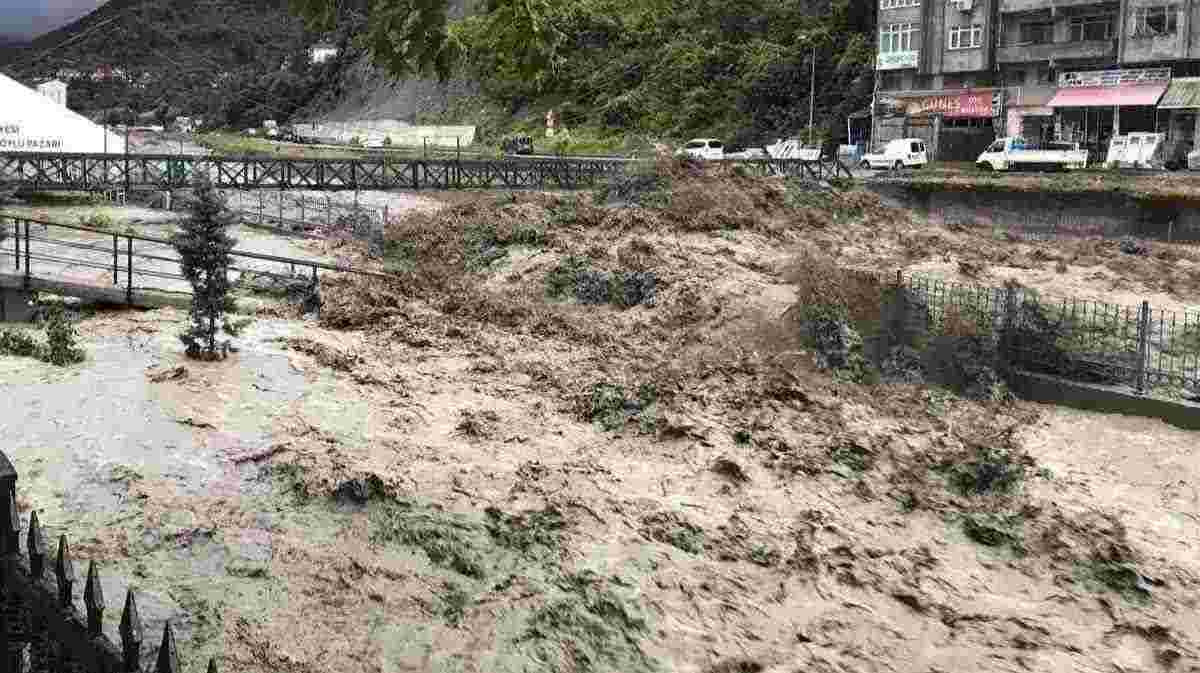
[(80, 436)]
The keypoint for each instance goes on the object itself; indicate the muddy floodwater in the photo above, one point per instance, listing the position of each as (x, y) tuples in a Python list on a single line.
[(83, 437)]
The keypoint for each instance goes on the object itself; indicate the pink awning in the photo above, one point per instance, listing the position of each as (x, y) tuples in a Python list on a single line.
[(1109, 96)]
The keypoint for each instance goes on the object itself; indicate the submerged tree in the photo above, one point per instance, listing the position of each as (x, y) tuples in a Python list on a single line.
[(204, 246)]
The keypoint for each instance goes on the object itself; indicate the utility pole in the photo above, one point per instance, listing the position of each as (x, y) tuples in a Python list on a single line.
[(812, 92)]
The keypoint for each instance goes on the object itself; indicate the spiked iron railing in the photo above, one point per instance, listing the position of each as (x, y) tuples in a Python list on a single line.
[(40, 628)]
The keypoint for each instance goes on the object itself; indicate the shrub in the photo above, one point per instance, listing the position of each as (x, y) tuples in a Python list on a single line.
[(18, 343), (97, 221), (61, 348)]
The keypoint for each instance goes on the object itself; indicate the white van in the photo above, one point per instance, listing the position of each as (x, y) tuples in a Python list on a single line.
[(897, 154), (704, 148)]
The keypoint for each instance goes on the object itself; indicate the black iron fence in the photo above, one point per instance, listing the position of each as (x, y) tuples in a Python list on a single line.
[(41, 629), (1085, 340), (51, 251), (1147, 349)]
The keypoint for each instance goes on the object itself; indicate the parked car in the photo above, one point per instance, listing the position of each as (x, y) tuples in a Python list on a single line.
[(703, 148), (897, 154), (1016, 154)]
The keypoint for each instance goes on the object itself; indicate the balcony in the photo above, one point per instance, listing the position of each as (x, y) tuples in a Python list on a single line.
[(1059, 51), (1020, 6)]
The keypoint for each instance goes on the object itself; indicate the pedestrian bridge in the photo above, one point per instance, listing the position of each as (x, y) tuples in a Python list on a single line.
[(103, 172)]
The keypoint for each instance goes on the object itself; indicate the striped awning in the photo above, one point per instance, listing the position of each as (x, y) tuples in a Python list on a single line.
[(1122, 95), (1183, 93)]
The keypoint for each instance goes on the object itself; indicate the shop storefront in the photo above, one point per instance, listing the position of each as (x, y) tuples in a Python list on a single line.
[(1090, 108), (960, 123), (1179, 113)]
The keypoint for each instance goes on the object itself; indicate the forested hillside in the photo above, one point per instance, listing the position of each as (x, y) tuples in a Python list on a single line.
[(234, 61), (609, 68), (679, 67)]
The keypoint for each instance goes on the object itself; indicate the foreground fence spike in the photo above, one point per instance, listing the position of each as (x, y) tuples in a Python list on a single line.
[(65, 572), (131, 633), (93, 600), (12, 525), (36, 544), (168, 657), (212, 665)]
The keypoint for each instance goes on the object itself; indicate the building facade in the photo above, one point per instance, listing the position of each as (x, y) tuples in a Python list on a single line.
[(959, 73)]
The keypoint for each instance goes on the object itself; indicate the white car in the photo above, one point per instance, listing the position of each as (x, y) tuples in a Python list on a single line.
[(704, 148), (897, 154)]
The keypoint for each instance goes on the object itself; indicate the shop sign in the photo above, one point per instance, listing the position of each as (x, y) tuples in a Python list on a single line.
[(966, 104), (12, 137), (897, 60)]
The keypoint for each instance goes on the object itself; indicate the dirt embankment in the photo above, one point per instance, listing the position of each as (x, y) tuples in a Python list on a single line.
[(583, 436)]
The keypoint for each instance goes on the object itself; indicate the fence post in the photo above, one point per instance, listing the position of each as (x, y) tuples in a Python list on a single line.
[(1143, 347), (316, 290), (17, 243), (260, 209), (28, 261), (280, 209), (116, 278), (129, 270), (1007, 350)]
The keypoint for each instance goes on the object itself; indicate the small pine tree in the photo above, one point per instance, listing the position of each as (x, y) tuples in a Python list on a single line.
[(204, 246)]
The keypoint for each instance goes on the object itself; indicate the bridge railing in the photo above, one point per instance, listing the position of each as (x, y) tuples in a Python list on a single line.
[(141, 171), (101, 258)]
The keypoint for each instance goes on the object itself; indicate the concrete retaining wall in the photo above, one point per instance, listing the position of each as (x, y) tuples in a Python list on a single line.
[(1108, 399), (1049, 215)]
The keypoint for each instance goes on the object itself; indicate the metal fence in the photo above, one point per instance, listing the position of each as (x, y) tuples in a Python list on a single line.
[(52, 252), (1084, 340), (41, 630)]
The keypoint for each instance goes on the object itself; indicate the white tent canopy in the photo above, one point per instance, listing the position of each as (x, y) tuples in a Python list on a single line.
[(31, 122)]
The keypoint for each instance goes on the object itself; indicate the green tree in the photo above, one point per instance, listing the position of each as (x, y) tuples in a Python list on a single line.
[(204, 245), (404, 36)]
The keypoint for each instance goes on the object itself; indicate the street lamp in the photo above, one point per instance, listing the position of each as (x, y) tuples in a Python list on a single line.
[(812, 39)]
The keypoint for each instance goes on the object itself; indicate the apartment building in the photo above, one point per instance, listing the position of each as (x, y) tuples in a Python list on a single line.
[(960, 72)]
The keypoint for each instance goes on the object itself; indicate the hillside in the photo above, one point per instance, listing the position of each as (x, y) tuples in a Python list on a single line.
[(618, 72), (177, 54), (365, 91)]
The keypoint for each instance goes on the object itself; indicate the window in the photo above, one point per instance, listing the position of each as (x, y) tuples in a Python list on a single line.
[(894, 4), (714, 144), (896, 37), (694, 145), (966, 37), (1153, 21), (1035, 33), (997, 146), (1083, 28), (891, 82), (917, 147), (1045, 75)]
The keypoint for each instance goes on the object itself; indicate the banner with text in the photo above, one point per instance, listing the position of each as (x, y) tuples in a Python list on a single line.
[(12, 138), (961, 104)]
